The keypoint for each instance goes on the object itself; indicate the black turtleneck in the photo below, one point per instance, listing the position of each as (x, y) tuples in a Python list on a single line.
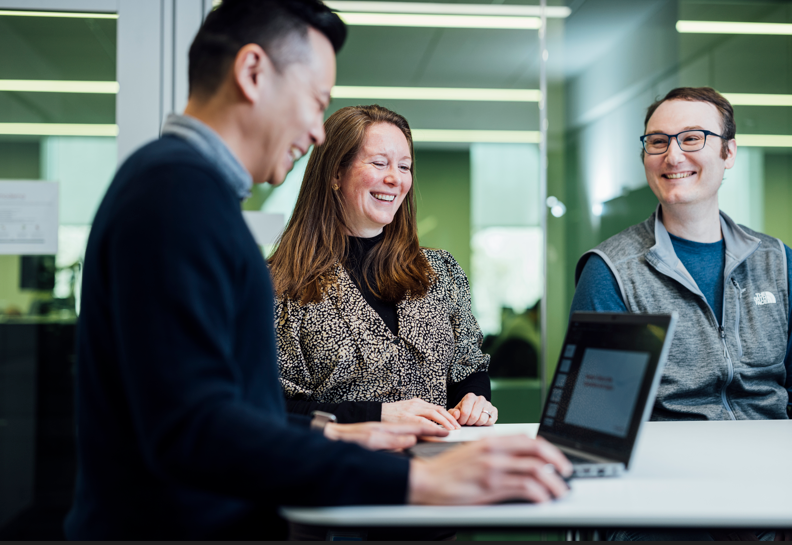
[(361, 411), (359, 248)]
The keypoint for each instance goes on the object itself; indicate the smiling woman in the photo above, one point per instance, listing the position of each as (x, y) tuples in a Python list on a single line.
[(377, 180), (370, 325)]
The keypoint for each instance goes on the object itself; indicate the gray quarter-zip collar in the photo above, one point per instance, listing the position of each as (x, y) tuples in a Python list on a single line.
[(211, 146), (739, 245)]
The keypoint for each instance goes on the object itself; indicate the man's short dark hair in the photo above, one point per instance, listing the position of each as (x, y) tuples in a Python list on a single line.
[(280, 27), (702, 94)]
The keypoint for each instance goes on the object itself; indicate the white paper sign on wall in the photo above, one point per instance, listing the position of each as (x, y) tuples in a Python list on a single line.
[(266, 228), (28, 218)]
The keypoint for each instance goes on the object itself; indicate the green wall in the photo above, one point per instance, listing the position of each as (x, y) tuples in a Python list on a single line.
[(631, 208), (11, 296), (20, 160), (778, 196), (442, 189)]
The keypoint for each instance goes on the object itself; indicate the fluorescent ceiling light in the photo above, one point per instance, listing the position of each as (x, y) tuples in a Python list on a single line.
[(747, 99), (440, 21), (724, 27), (55, 86), (437, 93), (59, 129), (765, 140), (65, 14), (502, 137), (448, 9)]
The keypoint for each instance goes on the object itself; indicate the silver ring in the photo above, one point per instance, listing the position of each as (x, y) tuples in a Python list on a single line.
[(489, 414)]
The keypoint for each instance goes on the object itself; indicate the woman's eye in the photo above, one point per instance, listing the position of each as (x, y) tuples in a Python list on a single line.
[(404, 168), (379, 164)]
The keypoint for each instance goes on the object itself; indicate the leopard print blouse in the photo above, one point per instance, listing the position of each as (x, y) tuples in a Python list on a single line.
[(340, 349)]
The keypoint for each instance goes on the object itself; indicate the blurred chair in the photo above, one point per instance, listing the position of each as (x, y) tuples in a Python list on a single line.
[(515, 357)]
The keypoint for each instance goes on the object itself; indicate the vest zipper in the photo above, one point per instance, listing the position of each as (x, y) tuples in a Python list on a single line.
[(730, 377), (737, 324), (726, 356)]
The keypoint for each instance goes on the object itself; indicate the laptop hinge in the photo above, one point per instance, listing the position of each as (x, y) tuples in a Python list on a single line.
[(587, 455)]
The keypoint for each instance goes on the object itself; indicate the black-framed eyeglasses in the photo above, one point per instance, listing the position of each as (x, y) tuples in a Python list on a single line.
[(657, 143)]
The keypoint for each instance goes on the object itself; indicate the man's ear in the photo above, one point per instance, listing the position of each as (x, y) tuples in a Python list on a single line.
[(252, 67), (731, 153)]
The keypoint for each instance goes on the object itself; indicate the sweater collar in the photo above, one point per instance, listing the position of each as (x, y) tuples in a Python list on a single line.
[(211, 146), (739, 245)]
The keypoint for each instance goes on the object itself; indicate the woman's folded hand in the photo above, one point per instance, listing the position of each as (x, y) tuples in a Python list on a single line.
[(474, 410), (418, 410)]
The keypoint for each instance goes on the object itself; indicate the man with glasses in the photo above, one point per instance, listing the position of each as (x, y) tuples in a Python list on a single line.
[(729, 284)]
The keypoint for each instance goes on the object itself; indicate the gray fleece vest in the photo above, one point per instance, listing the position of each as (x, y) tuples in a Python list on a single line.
[(735, 371)]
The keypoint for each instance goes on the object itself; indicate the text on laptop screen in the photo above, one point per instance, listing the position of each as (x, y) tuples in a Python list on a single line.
[(606, 389), (601, 388)]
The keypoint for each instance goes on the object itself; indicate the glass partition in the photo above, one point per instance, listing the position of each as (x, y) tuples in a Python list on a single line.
[(57, 141), (507, 274), (57, 123)]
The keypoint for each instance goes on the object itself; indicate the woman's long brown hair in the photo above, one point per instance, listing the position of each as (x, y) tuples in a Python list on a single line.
[(315, 239)]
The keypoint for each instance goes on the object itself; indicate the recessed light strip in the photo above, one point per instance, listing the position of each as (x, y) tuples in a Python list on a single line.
[(726, 27), (63, 14), (559, 12), (440, 21), (58, 86), (470, 136), (59, 129), (748, 99), (419, 135), (764, 140), (436, 93)]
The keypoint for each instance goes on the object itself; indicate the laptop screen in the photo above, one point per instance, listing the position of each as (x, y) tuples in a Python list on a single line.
[(606, 377)]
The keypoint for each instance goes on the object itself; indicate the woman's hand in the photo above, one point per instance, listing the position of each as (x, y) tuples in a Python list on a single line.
[(474, 410), (417, 410)]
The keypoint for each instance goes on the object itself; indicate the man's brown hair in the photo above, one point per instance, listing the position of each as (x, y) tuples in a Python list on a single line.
[(702, 94), (315, 239)]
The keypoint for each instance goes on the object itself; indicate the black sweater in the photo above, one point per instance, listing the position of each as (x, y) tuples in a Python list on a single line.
[(182, 428), (364, 411)]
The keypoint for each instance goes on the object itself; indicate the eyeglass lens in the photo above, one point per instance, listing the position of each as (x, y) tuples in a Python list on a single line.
[(688, 141)]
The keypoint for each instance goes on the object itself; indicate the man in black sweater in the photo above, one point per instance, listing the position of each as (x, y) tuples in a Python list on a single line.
[(182, 431)]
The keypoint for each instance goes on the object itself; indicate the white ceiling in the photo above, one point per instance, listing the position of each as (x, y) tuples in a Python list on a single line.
[(507, 59)]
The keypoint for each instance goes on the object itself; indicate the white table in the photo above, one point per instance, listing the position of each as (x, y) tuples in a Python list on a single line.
[(684, 474)]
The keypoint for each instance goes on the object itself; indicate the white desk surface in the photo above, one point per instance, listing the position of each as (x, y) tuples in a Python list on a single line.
[(683, 474)]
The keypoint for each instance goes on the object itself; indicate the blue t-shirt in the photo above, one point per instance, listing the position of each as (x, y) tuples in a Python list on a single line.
[(598, 291), (705, 262)]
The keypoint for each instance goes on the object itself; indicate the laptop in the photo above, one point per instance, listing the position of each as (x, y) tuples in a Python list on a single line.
[(604, 388), (602, 392)]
